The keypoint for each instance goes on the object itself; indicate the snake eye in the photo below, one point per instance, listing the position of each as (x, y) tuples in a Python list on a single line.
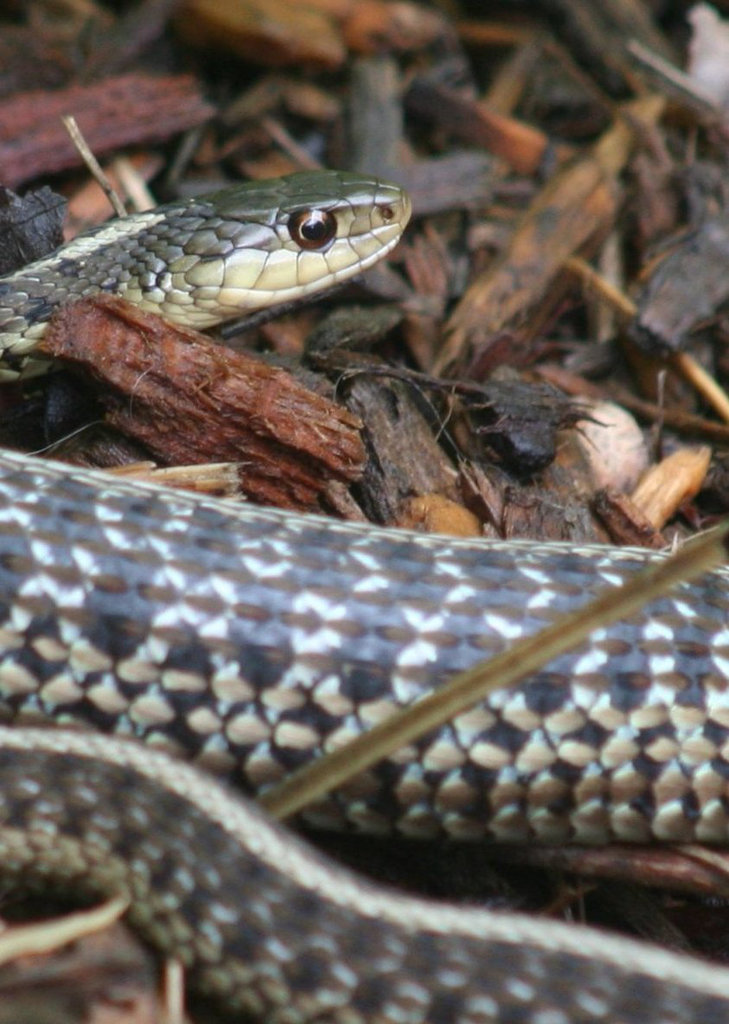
[(313, 229)]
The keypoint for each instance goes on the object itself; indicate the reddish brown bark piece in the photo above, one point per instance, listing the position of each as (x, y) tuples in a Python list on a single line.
[(192, 401), (625, 522), (272, 32), (316, 33), (115, 112)]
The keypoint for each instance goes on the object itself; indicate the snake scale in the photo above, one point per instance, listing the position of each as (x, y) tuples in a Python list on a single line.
[(253, 639)]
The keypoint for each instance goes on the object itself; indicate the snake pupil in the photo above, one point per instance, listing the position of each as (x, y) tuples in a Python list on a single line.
[(313, 229)]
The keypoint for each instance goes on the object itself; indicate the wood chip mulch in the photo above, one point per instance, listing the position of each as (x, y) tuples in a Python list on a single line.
[(543, 356)]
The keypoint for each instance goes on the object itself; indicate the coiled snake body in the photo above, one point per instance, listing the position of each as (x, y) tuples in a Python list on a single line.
[(255, 639)]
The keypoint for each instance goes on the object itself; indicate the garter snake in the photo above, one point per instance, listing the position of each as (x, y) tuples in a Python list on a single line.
[(206, 260), (254, 639)]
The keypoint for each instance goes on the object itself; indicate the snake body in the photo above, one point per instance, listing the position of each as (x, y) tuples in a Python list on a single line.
[(278, 933), (253, 640), (257, 638)]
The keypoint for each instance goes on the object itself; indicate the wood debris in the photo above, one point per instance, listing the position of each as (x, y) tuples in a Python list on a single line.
[(289, 441), (568, 176)]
